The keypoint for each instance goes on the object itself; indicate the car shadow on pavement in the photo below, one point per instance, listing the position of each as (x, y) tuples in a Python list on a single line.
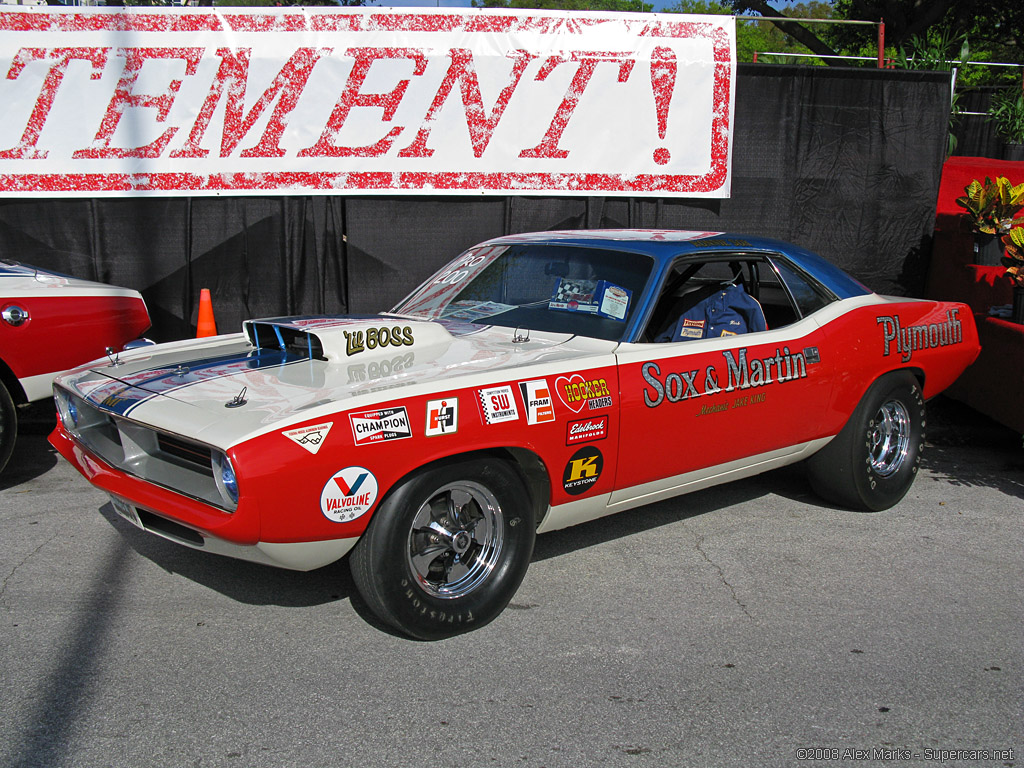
[(32, 458), (240, 580)]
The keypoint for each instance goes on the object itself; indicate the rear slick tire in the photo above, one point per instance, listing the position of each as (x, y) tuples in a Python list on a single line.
[(871, 464), (447, 549)]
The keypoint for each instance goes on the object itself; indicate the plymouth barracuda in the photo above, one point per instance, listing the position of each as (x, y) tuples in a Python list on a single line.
[(538, 381)]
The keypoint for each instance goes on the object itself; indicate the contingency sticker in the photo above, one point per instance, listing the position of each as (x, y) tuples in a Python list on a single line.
[(348, 495), (442, 417), (582, 471), (537, 396), (499, 404), (310, 438), (377, 426)]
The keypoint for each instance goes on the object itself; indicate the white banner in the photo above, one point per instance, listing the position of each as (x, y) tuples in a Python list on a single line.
[(305, 101)]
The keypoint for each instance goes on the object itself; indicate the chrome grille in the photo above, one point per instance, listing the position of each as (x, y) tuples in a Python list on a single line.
[(162, 458)]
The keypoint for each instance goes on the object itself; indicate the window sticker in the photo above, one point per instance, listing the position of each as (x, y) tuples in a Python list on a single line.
[(594, 297), (474, 310)]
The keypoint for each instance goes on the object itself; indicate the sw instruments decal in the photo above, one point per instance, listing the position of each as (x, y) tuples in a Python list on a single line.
[(926, 336), (499, 404), (740, 373)]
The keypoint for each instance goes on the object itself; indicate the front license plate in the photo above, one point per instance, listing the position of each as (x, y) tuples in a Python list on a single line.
[(126, 510)]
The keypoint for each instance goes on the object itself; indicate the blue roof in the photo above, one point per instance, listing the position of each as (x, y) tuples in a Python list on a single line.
[(665, 245)]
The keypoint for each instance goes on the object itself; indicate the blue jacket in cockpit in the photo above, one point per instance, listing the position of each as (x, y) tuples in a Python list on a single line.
[(726, 312)]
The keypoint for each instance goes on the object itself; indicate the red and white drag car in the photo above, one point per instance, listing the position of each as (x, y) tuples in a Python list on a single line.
[(536, 382), (50, 323)]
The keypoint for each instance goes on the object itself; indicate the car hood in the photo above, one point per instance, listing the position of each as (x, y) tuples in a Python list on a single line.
[(230, 388)]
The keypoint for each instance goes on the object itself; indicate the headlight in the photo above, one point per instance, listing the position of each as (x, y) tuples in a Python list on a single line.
[(67, 408), (224, 475)]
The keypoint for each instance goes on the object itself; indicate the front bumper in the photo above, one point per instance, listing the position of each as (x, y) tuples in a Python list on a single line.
[(192, 523)]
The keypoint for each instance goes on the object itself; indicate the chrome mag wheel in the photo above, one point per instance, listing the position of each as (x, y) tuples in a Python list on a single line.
[(456, 539), (889, 438)]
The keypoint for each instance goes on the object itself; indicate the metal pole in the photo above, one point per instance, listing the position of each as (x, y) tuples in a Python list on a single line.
[(881, 44)]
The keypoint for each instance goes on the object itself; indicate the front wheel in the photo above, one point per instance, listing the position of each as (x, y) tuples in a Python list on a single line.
[(8, 425), (447, 549), (871, 464)]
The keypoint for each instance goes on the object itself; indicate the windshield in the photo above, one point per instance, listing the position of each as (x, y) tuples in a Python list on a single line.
[(543, 287)]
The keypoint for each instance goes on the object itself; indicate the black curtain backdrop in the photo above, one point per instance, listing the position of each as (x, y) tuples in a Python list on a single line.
[(845, 162)]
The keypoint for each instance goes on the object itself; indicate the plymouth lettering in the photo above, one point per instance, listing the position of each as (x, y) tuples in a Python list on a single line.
[(914, 337)]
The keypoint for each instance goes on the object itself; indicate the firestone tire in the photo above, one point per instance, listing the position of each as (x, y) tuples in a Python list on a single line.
[(871, 464), (447, 549), (8, 426)]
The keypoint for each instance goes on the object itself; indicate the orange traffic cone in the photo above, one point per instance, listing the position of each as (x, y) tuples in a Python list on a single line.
[(206, 325)]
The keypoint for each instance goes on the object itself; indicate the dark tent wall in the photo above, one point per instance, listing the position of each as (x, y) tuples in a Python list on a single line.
[(845, 162)]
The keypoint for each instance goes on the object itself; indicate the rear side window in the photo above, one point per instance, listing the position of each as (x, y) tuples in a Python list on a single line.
[(808, 295)]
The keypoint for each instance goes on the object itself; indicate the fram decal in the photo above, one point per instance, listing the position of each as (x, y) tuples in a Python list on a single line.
[(442, 417), (587, 431), (499, 404), (310, 438), (537, 398), (348, 494), (741, 372), (582, 470), (380, 425), (915, 337), (577, 392)]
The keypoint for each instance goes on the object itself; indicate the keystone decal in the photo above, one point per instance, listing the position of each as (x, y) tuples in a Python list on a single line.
[(348, 494), (740, 373), (378, 426), (576, 392), (582, 471), (310, 438), (912, 338)]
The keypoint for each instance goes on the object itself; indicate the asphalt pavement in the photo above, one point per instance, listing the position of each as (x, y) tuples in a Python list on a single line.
[(747, 625)]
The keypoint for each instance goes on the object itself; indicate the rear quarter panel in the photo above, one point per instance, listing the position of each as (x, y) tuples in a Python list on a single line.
[(934, 340)]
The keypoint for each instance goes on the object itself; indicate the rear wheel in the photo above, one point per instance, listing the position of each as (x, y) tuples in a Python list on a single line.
[(8, 425), (447, 549), (871, 464)]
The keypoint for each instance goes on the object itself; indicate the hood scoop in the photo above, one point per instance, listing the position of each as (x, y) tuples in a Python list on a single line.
[(336, 339)]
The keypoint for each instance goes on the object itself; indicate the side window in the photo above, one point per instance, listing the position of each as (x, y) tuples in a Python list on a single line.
[(708, 299), (809, 296)]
